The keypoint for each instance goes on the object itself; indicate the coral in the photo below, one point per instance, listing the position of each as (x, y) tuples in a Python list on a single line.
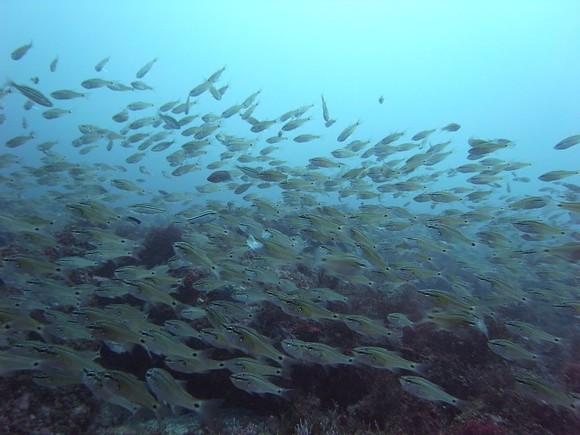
[(28, 408), (158, 245), (476, 427), (571, 375)]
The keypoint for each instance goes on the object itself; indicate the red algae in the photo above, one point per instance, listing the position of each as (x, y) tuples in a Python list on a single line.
[(477, 427)]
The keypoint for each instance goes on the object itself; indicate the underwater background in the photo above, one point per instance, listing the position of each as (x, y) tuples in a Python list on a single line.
[(289, 217)]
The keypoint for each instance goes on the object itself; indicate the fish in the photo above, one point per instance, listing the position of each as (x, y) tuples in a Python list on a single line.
[(347, 132), (343, 153), (306, 138), (126, 185), (567, 251), (18, 141), (53, 64), (253, 366), (451, 127), (320, 353), (426, 389), (32, 94), (451, 320), (170, 122), (325, 114), (422, 134), (536, 227), (95, 83), (568, 142), (141, 86), (198, 363), (344, 264), (203, 217), (294, 124), (247, 114), (366, 326), (214, 77), (546, 392), (101, 64), (448, 299), (399, 320), (65, 94), (21, 51), (251, 341), (250, 99), (118, 86), (194, 255), (150, 292), (219, 177), (557, 175), (323, 162), (55, 113), (256, 384), (231, 111), (301, 308), (531, 331), (529, 203), (262, 125), (169, 391), (122, 116), (510, 350), (161, 343), (185, 169), (200, 89), (145, 69), (272, 263), (181, 328), (380, 358), (94, 380), (139, 105), (450, 234), (272, 175)]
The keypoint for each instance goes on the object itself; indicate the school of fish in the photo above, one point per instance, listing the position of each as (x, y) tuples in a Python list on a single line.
[(257, 236)]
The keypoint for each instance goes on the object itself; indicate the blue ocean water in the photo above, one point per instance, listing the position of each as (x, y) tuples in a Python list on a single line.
[(499, 69)]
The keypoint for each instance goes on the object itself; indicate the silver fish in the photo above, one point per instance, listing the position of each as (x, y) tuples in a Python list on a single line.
[(425, 389), (32, 94), (169, 391), (21, 51), (145, 69)]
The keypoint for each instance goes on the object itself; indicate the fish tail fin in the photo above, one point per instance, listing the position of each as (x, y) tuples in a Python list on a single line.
[(288, 394), (422, 368), (463, 405), (207, 408)]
